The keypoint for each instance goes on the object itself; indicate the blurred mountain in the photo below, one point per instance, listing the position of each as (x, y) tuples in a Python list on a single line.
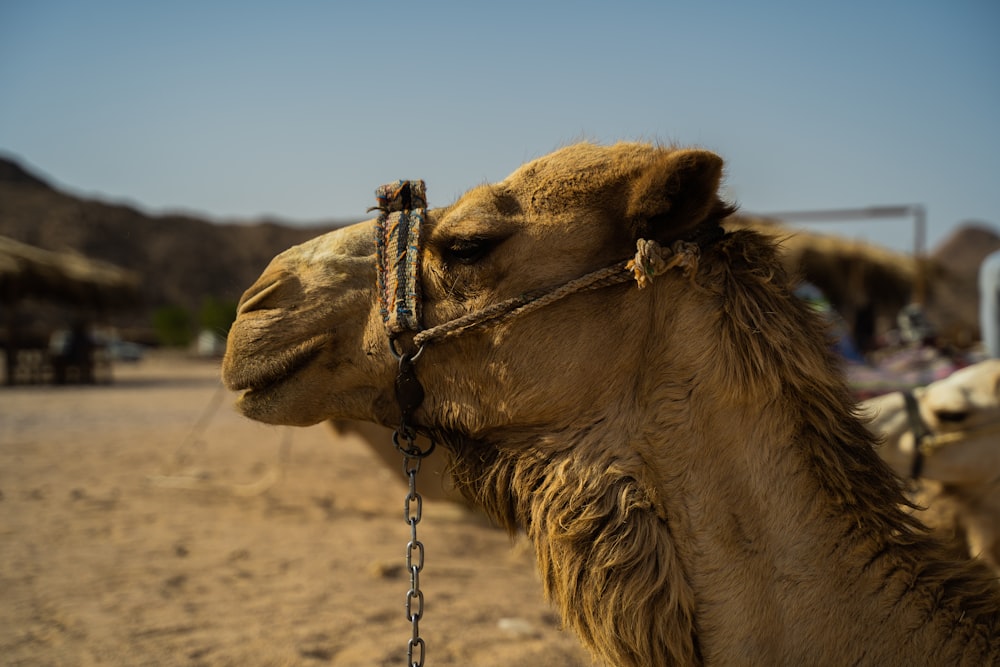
[(965, 248), (182, 259), (955, 286)]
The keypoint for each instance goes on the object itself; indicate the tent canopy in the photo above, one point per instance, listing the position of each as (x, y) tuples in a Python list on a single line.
[(27, 271)]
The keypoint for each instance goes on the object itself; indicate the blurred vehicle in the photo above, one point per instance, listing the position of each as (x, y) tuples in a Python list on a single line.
[(103, 343), (123, 350)]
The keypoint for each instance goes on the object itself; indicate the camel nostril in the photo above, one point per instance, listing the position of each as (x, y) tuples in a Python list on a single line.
[(270, 291), (254, 298)]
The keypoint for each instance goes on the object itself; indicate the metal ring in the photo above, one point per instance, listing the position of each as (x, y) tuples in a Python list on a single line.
[(399, 355)]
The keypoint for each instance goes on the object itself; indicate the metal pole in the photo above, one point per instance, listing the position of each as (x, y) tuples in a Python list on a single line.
[(917, 211), (919, 239)]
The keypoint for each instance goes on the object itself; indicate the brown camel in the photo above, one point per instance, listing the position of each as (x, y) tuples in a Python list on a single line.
[(685, 457)]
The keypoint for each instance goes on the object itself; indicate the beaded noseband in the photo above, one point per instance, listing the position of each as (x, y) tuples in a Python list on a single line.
[(403, 207)]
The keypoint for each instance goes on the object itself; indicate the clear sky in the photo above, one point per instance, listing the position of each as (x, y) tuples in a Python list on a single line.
[(298, 110)]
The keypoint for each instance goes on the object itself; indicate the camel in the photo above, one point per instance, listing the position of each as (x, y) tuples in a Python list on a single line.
[(681, 449), (956, 480)]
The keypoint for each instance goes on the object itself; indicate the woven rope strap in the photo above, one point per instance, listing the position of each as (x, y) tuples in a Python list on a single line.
[(403, 206), (650, 260)]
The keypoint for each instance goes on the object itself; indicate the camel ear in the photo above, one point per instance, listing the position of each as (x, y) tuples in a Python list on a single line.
[(675, 194)]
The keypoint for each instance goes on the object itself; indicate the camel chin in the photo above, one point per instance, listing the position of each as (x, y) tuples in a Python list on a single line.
[(281, 398), (288, 386), (299, 399), (270, 405)]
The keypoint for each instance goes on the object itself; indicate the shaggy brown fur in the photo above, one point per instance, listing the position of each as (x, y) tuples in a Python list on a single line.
[(685, 457)]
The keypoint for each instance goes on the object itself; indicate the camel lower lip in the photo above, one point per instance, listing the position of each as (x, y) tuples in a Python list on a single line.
[(251, 399), (255, 401), (278, 371), (260, 405)]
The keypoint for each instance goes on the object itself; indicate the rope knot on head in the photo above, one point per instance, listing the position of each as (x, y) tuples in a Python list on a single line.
[(651, 259)]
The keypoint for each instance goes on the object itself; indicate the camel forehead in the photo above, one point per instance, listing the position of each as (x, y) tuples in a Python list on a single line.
[(582, 176), (484, 202), (592, 162)]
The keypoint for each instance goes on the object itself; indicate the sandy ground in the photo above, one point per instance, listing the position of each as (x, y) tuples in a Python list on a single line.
[(146, 523)]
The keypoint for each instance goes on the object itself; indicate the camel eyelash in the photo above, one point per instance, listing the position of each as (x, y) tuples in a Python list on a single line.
[(469, 250)]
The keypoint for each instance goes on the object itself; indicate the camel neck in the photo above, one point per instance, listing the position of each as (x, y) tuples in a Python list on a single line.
[(730, 552), (726, 506), (784, 573)]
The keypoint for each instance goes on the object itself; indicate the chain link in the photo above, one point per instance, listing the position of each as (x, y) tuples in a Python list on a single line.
[(409, 396), (412, 512)]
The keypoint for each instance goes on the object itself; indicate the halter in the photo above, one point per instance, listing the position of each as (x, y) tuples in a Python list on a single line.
[(926, 441), (397, 244), (921, 434), (403, 209)]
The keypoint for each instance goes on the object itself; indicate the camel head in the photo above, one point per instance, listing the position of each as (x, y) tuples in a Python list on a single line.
[(531, 397), (966, 404), (962, 412), (309, 343)]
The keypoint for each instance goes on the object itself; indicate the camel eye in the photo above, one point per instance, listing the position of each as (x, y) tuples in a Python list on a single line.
[(469, 250), (952, 416)]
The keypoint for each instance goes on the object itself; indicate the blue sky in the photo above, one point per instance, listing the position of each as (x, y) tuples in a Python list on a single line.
[(298, 110)]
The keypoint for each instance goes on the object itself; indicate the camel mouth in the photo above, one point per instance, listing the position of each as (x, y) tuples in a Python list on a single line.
[(266, 373)]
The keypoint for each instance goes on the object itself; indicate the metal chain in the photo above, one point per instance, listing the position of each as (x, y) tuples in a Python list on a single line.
[(413, 507)]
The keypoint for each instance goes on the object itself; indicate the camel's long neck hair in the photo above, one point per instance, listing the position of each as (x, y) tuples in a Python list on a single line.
[(604, 546), (605, 555), (772, 344)]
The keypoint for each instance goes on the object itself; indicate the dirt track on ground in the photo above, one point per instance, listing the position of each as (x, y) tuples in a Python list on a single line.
[(146, 523)]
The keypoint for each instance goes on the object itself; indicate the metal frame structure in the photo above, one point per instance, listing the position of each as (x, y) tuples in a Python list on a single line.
[(917, 211)]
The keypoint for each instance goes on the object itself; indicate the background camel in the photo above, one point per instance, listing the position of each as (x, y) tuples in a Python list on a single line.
[(959, 480), (685, 458)]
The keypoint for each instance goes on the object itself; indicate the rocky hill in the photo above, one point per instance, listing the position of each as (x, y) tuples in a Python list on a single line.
[(182, 259), (957, 258)]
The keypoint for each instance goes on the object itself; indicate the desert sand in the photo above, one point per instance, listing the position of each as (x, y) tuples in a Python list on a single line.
[(146, 522)]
